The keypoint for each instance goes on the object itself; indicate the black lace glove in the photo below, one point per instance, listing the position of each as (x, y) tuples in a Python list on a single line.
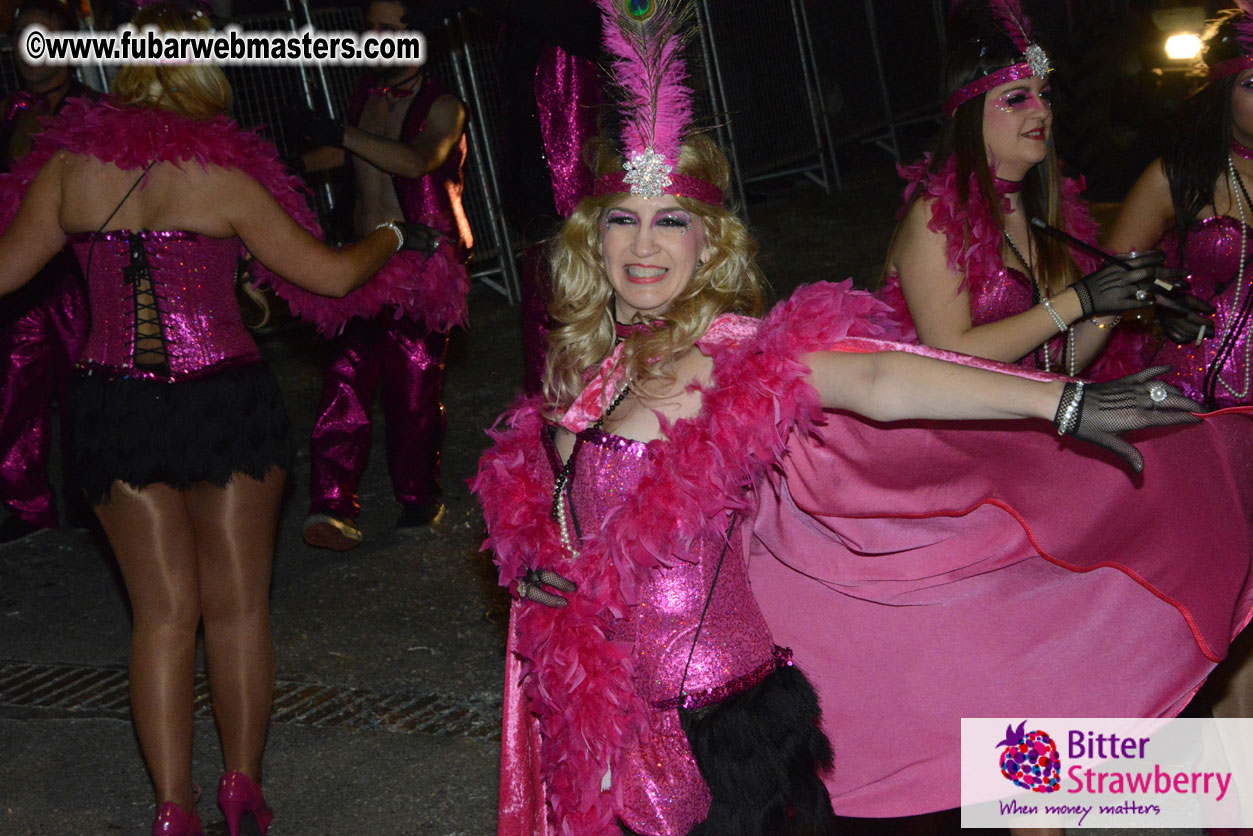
[(531, 587), (306, 128), (1188, 319), (1100, 413), (420, 238), (1116, 288)]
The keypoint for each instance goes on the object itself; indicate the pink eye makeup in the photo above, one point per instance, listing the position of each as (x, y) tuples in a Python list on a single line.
[(620, 217), (681, 221), (1023, 99)]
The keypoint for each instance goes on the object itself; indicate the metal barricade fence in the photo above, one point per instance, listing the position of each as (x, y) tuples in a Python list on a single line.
[(763, 73), (887, 56)]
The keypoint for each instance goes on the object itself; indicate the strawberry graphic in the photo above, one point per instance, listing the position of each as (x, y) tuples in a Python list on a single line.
[(1030, 759)]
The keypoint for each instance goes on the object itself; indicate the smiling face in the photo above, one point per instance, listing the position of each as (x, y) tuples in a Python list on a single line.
[(1017, 123), (651, 249)]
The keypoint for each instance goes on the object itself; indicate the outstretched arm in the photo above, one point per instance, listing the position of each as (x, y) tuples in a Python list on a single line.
[(35, 235), (896, 386)]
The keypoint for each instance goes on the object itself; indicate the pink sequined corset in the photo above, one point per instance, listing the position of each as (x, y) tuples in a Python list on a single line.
[(1006, 293), (192, 278), (663, 793), (1213, 251)]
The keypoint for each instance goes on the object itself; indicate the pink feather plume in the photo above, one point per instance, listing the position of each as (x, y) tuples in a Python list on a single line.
[(648, 68)]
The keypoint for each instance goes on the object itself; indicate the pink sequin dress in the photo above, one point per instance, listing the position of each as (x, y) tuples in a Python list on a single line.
[(660, 785), (1211, 258)]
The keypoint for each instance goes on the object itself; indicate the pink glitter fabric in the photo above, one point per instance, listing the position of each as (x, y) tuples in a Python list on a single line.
[(1212, 257), (42, 330), (567, 96), (193, 279), (406, 360), (657, 779), (983, 85)]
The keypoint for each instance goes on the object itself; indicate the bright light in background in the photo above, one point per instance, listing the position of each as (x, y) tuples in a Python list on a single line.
[(1183, 47)]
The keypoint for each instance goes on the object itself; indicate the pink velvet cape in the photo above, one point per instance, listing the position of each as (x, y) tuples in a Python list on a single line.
[(131, 137), (974, 241), (569, 705)]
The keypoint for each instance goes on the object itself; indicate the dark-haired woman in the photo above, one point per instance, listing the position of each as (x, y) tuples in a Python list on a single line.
[(1194, 204), (966, 267)]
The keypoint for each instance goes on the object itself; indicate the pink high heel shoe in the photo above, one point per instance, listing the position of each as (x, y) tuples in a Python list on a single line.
[(173, 820), (239, 794)]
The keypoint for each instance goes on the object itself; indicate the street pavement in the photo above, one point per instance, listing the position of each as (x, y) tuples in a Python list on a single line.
[(386, 719)]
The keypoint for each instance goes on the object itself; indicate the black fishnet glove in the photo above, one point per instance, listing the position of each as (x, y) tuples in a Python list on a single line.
[(420, 238), (531, 587), (1184, 320), (1113, 289), (1106, 411), (306, 129)]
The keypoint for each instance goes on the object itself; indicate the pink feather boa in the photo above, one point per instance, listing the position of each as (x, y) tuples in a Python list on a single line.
[(131, 137), (973, 241), (578, 682)]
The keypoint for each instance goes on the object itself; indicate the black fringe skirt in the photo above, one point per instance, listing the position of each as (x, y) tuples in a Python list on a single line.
[(203, 430), (762, 754)]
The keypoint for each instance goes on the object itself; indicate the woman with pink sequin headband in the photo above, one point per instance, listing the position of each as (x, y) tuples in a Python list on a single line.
[(644, 691), (966, 266), (1194, 204)]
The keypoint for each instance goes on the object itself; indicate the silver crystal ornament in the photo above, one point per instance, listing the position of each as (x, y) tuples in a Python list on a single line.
[(648, 174)]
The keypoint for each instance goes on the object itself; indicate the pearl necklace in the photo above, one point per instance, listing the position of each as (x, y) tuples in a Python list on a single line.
[(563, 511), (1070, 332), (1237, 190)]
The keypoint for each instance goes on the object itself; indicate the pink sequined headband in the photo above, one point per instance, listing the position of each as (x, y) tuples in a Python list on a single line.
[(1014, 72), (645, 40), (1010, 17), (680, 185)]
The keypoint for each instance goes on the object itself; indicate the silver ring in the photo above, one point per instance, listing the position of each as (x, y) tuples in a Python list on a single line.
[(523, 588), (1132, 254), (1142, 295), (1158, 393)]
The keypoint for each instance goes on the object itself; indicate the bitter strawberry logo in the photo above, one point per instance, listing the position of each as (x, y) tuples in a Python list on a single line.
[(1030, 759)]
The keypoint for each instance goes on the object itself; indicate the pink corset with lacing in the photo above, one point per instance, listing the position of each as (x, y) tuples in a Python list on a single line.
[(163, 304)]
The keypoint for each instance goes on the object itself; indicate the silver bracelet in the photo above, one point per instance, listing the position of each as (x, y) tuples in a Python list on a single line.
[(394, 227), (1068, 409), (1057, 318)]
